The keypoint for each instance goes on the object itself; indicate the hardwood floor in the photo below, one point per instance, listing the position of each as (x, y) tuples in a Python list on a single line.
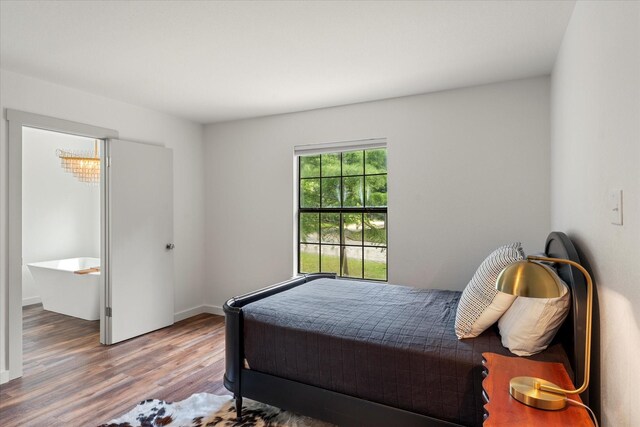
[(71, 380)]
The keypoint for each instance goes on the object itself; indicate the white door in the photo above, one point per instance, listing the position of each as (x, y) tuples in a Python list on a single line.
[(139, 243)]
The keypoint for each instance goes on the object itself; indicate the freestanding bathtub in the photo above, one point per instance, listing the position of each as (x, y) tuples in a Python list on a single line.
[(65, 292)]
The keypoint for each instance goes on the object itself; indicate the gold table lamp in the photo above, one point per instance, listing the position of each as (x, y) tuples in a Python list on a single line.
[(534, 280)]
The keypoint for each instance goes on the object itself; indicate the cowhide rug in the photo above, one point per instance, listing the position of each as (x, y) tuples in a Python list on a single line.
[(208, 410)]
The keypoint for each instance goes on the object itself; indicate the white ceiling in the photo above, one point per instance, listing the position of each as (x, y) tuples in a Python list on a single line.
[(217, 61)]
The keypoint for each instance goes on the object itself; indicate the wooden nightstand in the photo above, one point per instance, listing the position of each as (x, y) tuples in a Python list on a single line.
[(503, 410)]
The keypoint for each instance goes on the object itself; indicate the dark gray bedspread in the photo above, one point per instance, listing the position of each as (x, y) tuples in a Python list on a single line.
[(390, 344)]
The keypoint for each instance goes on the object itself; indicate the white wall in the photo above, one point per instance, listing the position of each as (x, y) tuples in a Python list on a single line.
[(60, 215), (595, 148), (468, 171), (133, 123)]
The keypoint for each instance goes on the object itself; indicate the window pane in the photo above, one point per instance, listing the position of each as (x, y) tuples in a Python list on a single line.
[(352, 163), (309, 224), (352, 263), (309, 258), (336, 234), (375, 229), (310, 193), (331, 164), (330, 227), (352, 228), (376, 190), (309, 166), (330, 192), (352, 191), (330, 255), (375, 263), (375, 161)]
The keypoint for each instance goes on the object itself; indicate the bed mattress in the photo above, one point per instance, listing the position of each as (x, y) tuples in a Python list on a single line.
[(389, 344)]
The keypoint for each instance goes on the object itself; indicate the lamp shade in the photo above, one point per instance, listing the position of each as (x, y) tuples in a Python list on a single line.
[(529, 279)]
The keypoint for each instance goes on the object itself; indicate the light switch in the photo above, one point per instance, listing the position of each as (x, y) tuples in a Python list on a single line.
[(615, 206)]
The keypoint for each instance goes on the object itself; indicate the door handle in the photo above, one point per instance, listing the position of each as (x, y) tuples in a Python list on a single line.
[(170, 246)]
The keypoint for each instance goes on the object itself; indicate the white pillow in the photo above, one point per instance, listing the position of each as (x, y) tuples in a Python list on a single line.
[(481, 305), (529, 325)]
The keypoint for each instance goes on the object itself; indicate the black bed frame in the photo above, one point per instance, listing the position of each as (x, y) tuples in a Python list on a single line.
[(346, 410)]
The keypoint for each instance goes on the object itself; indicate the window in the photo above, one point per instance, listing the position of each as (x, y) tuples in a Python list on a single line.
[(342, 213)]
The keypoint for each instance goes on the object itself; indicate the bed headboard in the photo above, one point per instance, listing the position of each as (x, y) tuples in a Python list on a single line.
[(572, 333)]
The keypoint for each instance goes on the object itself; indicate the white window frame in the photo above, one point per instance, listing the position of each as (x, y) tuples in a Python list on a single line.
[(321, 148)]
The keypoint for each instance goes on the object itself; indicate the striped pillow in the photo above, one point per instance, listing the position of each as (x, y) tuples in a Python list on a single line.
[(481, 305)]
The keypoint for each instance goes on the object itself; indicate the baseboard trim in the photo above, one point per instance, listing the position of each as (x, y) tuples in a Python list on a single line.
[(213, 309), (194, 311), (185, 314), (31, 301), (4, 376)]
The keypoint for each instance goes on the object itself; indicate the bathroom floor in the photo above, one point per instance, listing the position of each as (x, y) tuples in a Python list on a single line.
[(47, 336), (71, 379)]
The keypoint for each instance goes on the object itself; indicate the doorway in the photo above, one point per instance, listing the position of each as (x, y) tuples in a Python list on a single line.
[(136, 232), (60, 235), (17, 122)]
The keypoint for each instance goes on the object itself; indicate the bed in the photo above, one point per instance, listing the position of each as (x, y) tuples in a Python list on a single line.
[(355, 353)]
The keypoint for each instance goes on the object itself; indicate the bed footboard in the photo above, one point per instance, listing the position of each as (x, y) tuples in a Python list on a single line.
[(234, 350)]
